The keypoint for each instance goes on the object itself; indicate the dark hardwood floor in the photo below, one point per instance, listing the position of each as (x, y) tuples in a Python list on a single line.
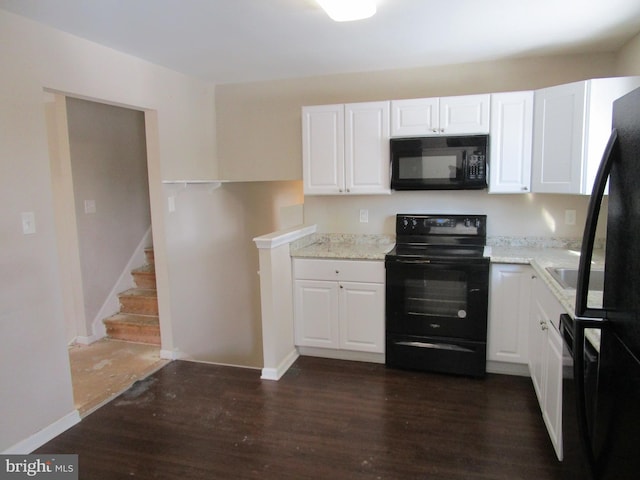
[(325, 419)]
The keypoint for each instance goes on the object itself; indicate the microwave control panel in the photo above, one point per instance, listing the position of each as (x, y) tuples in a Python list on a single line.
[(475, 167)]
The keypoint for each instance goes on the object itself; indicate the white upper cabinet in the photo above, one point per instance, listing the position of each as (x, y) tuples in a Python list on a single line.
[(465, 114), (511, 138), (345, 149), (572, 124), (367, 148), (323, 149), (418, 116)]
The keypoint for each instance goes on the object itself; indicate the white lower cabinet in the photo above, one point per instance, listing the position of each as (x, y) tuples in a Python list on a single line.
[(339, 304), (508, 326), (546, 359), (316, 313)]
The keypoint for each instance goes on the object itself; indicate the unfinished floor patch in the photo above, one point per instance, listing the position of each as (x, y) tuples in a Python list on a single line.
[(106, 368)]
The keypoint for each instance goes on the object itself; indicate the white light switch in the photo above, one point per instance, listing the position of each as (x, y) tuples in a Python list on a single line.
[(89, 206), (570, 217), (172, 204), (28, 223), (364, 215)]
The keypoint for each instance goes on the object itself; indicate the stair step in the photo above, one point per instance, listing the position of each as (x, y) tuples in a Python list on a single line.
[(143, 301), (133, 328), (148, 253), (145, 277)]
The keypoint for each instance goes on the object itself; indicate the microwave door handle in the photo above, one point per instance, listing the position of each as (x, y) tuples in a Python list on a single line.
[(464, 164)]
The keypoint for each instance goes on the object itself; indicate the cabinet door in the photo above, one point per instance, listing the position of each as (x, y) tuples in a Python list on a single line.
[(367, 148), (509, 312), (558, 139), (464, 114), (511, 142), (552, 410), (362, 317), (545, 356), (316, 313), (537, 341), (601, 93), (323, 149), (418, 116)]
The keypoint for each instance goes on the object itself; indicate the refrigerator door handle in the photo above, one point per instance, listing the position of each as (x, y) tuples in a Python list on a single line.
[(579, 378), (588, 238)]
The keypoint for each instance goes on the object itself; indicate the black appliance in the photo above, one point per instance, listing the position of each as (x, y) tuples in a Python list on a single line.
[(437, 285), (607, 386), (439, 163)]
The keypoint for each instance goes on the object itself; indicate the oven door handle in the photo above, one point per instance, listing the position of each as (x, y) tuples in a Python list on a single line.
[(424, 261), (436, 346)]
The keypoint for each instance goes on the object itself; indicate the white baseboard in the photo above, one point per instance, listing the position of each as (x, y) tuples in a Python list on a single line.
[(169, 355), (281, 369), (504, 368), (38, 439)]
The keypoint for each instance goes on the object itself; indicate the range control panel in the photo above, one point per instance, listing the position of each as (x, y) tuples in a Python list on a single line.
[(411, 224)]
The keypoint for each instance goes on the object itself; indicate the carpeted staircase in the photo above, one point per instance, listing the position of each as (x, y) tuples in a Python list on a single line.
[(137, 320)]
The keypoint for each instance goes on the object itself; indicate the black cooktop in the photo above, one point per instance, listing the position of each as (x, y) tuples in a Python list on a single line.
[(444, 237)]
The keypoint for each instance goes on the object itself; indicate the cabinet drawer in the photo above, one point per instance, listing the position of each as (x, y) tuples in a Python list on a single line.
[(369, 271)]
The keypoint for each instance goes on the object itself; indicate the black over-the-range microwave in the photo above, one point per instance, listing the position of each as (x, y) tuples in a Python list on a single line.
[(439, 162)]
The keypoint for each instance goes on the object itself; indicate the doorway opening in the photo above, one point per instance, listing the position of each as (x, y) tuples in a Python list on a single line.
[(103, 219)]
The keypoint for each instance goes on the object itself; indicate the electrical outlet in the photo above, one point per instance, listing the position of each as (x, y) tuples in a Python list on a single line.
[(570, 217), (28, 223), (364, 215)]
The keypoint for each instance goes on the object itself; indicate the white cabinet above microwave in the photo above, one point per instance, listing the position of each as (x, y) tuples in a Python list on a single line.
[(440, 116)]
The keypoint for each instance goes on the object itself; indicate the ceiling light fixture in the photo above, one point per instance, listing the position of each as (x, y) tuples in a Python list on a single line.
[(348, 10)]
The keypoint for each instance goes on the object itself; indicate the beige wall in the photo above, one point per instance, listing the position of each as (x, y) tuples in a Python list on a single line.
[(628, 61), (34, 366), (214, 269)]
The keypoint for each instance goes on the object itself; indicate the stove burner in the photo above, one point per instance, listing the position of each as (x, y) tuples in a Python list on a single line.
[(445, 237)]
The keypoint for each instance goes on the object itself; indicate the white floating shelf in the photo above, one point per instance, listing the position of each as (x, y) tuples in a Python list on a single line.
[(213, 184)]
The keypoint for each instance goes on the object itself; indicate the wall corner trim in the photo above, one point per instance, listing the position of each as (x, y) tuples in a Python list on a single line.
[(281, 369)]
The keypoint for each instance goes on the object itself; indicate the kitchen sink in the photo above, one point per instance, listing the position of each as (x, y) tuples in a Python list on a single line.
[(568, 278)]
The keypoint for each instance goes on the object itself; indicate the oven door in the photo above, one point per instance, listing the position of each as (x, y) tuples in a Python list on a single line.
[(437, 299)]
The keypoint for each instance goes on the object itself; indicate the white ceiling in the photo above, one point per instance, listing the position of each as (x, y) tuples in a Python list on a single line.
[(228, 41)]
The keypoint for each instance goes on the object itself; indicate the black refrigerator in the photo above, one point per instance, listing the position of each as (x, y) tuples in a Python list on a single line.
[(601, 399)]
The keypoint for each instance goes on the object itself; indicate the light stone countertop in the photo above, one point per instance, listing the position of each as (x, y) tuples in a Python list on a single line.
[(343, 246)]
